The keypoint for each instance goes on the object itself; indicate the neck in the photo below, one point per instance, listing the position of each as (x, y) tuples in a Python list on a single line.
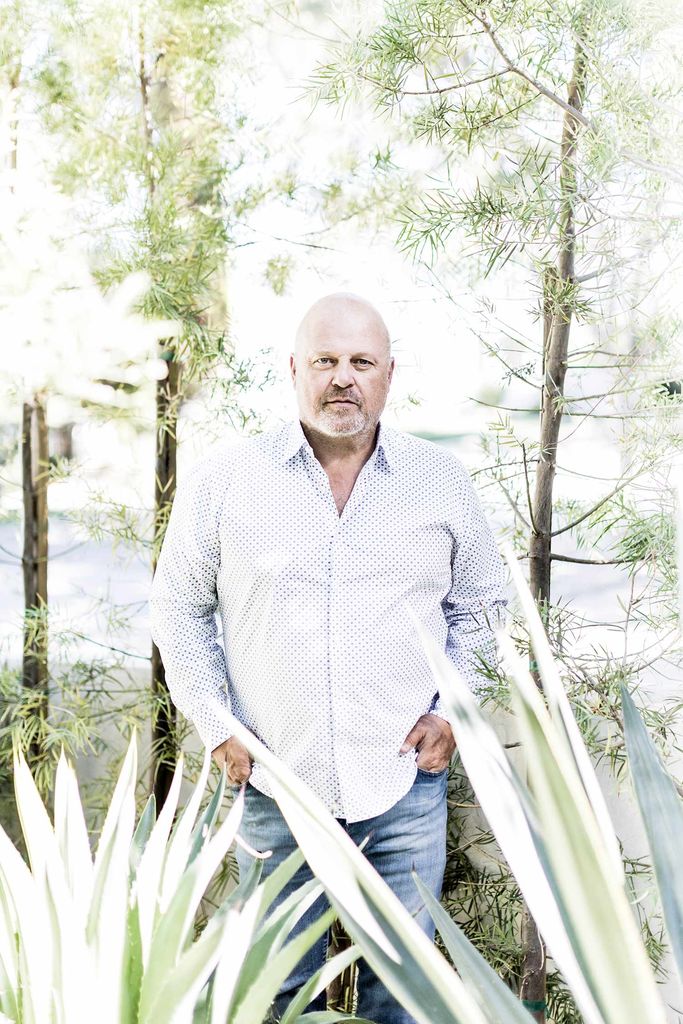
[(350, 449)]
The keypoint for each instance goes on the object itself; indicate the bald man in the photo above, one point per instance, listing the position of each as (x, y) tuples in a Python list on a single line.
[(315, 541)]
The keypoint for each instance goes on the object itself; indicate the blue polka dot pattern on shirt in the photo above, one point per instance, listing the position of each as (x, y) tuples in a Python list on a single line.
[(320, 658)]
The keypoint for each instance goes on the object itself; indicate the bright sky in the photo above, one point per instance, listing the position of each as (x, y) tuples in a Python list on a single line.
[(438, 360)]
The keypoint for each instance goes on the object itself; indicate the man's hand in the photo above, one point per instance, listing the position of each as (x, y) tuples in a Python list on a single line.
[(236, 758), (433, 738)]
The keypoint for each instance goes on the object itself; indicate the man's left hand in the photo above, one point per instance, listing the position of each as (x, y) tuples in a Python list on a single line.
[(433, 739)]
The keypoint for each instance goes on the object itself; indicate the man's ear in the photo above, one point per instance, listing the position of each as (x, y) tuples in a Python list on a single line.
[(292, 367)]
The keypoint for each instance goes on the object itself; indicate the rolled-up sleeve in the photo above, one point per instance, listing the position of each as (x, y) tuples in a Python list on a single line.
[(183, 603), (476, 604)]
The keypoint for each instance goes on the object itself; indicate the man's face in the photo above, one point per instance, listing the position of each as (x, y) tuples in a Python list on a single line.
[(341, 373)]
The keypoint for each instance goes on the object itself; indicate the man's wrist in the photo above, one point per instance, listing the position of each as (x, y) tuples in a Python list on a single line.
[(220, 743)]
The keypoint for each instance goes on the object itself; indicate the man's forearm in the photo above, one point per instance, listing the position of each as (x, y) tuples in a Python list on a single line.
[(470, 641)]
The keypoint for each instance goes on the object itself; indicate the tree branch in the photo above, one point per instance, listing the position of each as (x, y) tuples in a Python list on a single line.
[(619, 487), (589, 561), (534, 82), (448, 88), (505, 408), (513, 504), (627, 154)]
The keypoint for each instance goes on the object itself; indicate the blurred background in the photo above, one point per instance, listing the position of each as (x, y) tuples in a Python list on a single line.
[(181, 180)]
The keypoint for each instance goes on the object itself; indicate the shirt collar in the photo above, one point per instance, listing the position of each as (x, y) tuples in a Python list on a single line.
[(294, 440)]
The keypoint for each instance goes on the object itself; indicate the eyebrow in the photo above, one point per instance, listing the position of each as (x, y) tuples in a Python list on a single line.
[(356, 355)]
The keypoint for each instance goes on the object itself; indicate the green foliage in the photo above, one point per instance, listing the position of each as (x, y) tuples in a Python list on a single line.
[(551, 823), (278, 271), (115, 936), (134, 140)]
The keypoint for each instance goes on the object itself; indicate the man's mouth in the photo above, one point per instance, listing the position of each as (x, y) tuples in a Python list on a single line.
[(340, 401)]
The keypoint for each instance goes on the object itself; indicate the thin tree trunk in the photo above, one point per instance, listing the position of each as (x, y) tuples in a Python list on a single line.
[(14, 79), (35, 468), (559, 290), (164, 745), (340, 991)]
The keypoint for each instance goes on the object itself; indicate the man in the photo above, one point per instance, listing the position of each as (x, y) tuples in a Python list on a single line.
[(312, 540)]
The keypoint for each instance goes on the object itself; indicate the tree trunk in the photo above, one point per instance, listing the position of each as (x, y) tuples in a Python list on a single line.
[(340, 991), (164, 745), (559, 293), (35, 469)]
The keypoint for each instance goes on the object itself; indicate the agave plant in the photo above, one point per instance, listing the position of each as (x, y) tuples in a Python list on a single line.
[(112, 938), (554, 830)]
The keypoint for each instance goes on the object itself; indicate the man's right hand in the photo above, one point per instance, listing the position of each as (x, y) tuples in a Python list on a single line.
[(236, 758)]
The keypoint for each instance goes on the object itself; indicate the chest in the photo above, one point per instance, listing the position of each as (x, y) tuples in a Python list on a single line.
[(341, 487), (287, 540)]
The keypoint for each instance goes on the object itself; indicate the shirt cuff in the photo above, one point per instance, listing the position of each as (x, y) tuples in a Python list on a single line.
[(210, 724), (438, 710)]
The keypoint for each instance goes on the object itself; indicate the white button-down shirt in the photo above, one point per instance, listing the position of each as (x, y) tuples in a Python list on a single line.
[(320, 658)]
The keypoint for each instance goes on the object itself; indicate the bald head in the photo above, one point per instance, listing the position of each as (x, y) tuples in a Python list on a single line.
[(342, 314)]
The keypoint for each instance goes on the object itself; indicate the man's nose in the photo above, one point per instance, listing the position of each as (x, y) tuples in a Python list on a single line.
[(343, 375)]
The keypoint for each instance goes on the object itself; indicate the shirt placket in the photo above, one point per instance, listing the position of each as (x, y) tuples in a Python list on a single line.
[(337, 661)]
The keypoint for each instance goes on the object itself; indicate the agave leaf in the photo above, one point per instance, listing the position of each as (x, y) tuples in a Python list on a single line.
[(278, 878), (591, 894), (230, 973), (561, 712), (120, 796), (291, 910), (72, 836), (416, 980), (180, 844), (204, 827), (8, 989), (271, 936), (148, 874), (238, 935), (408, 962), (274, 971), (131, 976), (174, 1000), (176, 922), (318, 982), (330, 1017), (142, 832), (587, 921), (36, 826), (70, 960), (109, 919), (507, 806), (34, 938), (244, 889), (493, 995), (662, 813), (116, 834), (9, 964)]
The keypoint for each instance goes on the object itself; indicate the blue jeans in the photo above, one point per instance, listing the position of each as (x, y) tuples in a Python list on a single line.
[(411, 834)]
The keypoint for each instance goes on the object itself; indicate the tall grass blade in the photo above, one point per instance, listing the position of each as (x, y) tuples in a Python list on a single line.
[(662, 813)]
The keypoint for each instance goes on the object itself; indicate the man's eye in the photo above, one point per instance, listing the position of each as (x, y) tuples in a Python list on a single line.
[(366, 361)]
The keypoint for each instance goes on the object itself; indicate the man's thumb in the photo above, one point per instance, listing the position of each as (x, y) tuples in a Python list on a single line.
[(411, 739)]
